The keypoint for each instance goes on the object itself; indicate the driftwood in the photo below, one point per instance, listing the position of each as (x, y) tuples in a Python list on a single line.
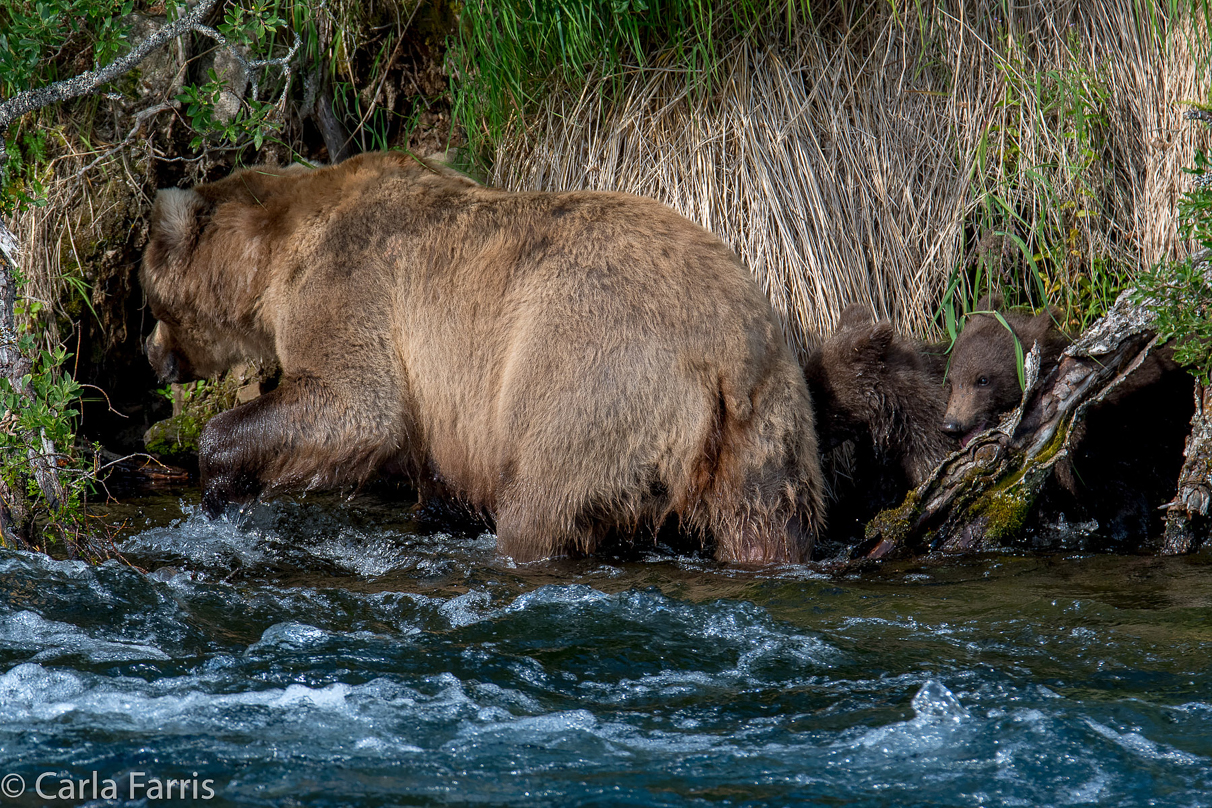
[(980, 497)]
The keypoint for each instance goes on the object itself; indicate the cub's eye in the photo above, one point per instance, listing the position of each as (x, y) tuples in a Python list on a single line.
[(983, 381)]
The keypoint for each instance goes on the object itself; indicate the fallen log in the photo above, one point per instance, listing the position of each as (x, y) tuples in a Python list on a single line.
[(981, 496)]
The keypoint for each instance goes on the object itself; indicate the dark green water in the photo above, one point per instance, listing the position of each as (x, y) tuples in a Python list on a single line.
[(335, 655)]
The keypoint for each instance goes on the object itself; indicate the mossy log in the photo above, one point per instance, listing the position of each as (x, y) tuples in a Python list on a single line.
[(981, 496)]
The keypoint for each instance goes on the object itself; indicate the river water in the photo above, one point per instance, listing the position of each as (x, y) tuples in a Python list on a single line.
[(321, 654)]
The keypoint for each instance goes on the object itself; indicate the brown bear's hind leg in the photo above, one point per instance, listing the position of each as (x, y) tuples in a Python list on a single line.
[(765, 499)]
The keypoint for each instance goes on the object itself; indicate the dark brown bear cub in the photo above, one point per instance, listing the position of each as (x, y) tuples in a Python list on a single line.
[(879, 388), (982, 376), (576, 365)]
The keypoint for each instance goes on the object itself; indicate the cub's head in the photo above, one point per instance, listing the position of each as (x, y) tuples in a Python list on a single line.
[(844, 374), (982, 377), (207, 252)]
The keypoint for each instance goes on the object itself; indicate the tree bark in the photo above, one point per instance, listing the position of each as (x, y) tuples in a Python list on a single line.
[(1187, 514), (981, 496)]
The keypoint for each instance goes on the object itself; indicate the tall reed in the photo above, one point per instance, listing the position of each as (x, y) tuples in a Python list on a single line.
[(909, 157)]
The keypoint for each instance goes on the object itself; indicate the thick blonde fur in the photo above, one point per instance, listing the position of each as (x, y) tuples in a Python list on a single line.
[(576, 365)]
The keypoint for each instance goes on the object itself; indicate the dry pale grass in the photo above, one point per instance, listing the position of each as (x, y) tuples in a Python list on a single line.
[(866, 162), (73, 238)]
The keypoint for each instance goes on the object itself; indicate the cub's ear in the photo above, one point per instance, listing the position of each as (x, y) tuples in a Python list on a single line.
[(176, 223), (872, 346), (1042, 323), (993, 302), (882, 334), (854, 315)]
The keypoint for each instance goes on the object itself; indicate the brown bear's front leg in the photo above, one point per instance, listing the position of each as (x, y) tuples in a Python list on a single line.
[(298, 436)]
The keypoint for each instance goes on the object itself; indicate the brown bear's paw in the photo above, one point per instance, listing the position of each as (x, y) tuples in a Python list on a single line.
[(229, 473)]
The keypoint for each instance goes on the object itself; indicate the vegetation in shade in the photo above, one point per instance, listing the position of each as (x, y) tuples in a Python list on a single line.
[(1179, 293), (335, 50), (255, 29), (49, 418), (346, 52), (511, 53), (1040, 187), (42, 41)]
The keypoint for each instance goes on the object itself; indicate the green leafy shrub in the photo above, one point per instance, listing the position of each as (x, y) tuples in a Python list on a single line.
[(254, 28), (42, 41), (29, 423), (1180, 293)]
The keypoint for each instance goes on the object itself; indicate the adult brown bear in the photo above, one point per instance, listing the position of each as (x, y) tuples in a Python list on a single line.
[(576, 365)]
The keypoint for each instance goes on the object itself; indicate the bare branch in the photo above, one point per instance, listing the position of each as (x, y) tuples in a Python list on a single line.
[(88, 83), (140, 119)]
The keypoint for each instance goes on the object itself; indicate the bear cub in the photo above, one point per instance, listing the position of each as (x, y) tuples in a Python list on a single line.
[(1125, 455), (879, 388), (982, 376)]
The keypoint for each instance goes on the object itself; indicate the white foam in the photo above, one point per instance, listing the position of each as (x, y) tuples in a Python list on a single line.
[(301, 536), (207, 542), (289, 636), (1139, 745), (935, 702), (568, 595), (364, 555), (470, 607), (30, 692), (938, 717), (51, 640)]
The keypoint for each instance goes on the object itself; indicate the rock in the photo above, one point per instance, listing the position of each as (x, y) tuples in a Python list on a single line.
[(162, 73)]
